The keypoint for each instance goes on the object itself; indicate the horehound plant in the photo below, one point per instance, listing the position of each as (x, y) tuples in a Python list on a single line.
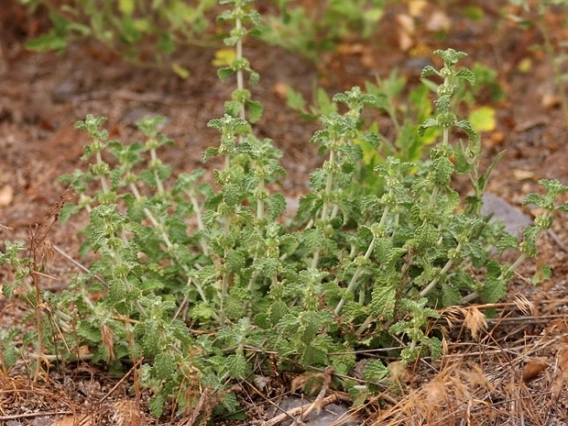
[(202, 285)]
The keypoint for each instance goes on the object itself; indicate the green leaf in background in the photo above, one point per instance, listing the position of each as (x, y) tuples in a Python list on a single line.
[(48, 42), (325, 104), (483, 119), (224, 57), (474, 13), (544, 273), (180, 71), (126, 6), (295, 100), (255, 111), (56, 39)]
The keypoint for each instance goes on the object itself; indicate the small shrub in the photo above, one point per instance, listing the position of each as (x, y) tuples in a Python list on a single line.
[(202, 284), (151, 32)]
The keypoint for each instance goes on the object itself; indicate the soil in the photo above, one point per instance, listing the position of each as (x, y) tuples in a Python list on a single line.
[(42, 95)]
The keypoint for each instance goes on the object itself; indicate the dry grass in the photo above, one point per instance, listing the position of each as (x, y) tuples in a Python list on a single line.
[(511, 370)]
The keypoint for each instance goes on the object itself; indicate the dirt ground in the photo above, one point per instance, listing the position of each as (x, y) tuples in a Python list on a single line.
[(43, 95)]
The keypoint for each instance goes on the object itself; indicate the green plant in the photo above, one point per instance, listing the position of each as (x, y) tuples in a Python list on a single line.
[(320, 26), (406, 109), (196, 282), (20, 266), (141, 32), (150, 33)]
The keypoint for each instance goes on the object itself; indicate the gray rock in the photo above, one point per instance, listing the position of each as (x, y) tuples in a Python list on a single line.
[(513, 218), (332, 414), (63, 91), (42, 421)]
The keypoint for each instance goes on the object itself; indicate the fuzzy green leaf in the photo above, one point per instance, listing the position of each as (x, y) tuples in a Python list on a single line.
[(225, 72), (528, 245), (428, 123), (443, 170), (276, 204), (235, 261), (450, 296), (375, 371), (255, 110), (89, 332), (164, 366), (494, 286), (156, 405), (277, 311), (428, 71), (466, 74), (237, 366), (507, 241), (435, 346), (314, 357), (254, 78), (383, 302)]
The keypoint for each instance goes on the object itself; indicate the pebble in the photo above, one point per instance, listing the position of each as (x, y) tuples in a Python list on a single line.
[(332, 414), (513, 218)]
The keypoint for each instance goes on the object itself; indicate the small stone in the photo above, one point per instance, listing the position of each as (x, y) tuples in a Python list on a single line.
[(417, 64), (63, 91), (335, 414), (42, 421), (513, 219)]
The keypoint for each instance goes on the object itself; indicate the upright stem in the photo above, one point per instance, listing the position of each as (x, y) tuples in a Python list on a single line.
[(223, 293), (240, 78), (159, 183), (259, 217), (354, 280), (102, 178), (225, 279), (444, 270), (157, 225), (326, 203), (38, 318), (260, 201), (200, 225)]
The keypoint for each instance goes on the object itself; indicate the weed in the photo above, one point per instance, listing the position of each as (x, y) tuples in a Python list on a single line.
[(197, 282), (151, 33)]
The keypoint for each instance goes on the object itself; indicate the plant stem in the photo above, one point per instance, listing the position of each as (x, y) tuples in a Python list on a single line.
[(154, 161), (240, 79), (102, 178), (260, 201), (444, 270), (200, 225), (354, 280), (326, 203), (198, 288), (225, 280), (151, 217)]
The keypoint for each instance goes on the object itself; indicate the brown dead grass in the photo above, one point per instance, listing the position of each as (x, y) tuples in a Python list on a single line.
[(512, 373)]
